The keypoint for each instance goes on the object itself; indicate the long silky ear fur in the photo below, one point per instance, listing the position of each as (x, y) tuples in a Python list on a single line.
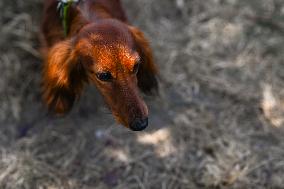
[(63, 78), (147, 74)]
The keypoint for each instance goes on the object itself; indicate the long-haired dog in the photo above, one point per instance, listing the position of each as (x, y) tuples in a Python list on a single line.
[(100, 48)]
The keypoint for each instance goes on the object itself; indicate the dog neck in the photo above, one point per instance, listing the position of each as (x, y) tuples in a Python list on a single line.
[(87, 12)]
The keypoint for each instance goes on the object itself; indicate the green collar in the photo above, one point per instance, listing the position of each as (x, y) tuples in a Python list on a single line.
[(63, 7)]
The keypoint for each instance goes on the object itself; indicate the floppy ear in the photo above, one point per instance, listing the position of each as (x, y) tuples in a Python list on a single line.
[(64, 77), (147, 74)]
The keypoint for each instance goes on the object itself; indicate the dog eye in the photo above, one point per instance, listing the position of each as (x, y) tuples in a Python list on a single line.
[(105, 76), (136, 68)]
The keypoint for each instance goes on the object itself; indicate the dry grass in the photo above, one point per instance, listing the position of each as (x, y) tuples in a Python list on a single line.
[(219, 122)]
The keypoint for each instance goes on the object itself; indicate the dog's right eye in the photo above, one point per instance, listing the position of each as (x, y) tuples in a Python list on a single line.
[(105, 76)]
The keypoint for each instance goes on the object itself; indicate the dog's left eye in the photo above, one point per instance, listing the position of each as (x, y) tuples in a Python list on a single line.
[(105, 76), (136, 68)]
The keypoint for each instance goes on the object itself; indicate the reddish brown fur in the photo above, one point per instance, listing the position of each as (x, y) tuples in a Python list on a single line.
[(99, 40)]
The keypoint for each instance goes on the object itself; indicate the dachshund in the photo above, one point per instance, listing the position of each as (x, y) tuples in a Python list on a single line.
[(100, 48)]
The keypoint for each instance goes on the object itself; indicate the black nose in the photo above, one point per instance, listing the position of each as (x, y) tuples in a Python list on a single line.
[(139, 124)]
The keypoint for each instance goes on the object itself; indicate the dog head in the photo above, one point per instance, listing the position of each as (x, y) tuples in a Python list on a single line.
[(113, 56)]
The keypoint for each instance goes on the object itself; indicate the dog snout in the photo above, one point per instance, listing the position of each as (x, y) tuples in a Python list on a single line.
[(139, 124)]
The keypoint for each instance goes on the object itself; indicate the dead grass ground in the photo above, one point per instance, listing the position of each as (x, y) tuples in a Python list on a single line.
[(219, 122)]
